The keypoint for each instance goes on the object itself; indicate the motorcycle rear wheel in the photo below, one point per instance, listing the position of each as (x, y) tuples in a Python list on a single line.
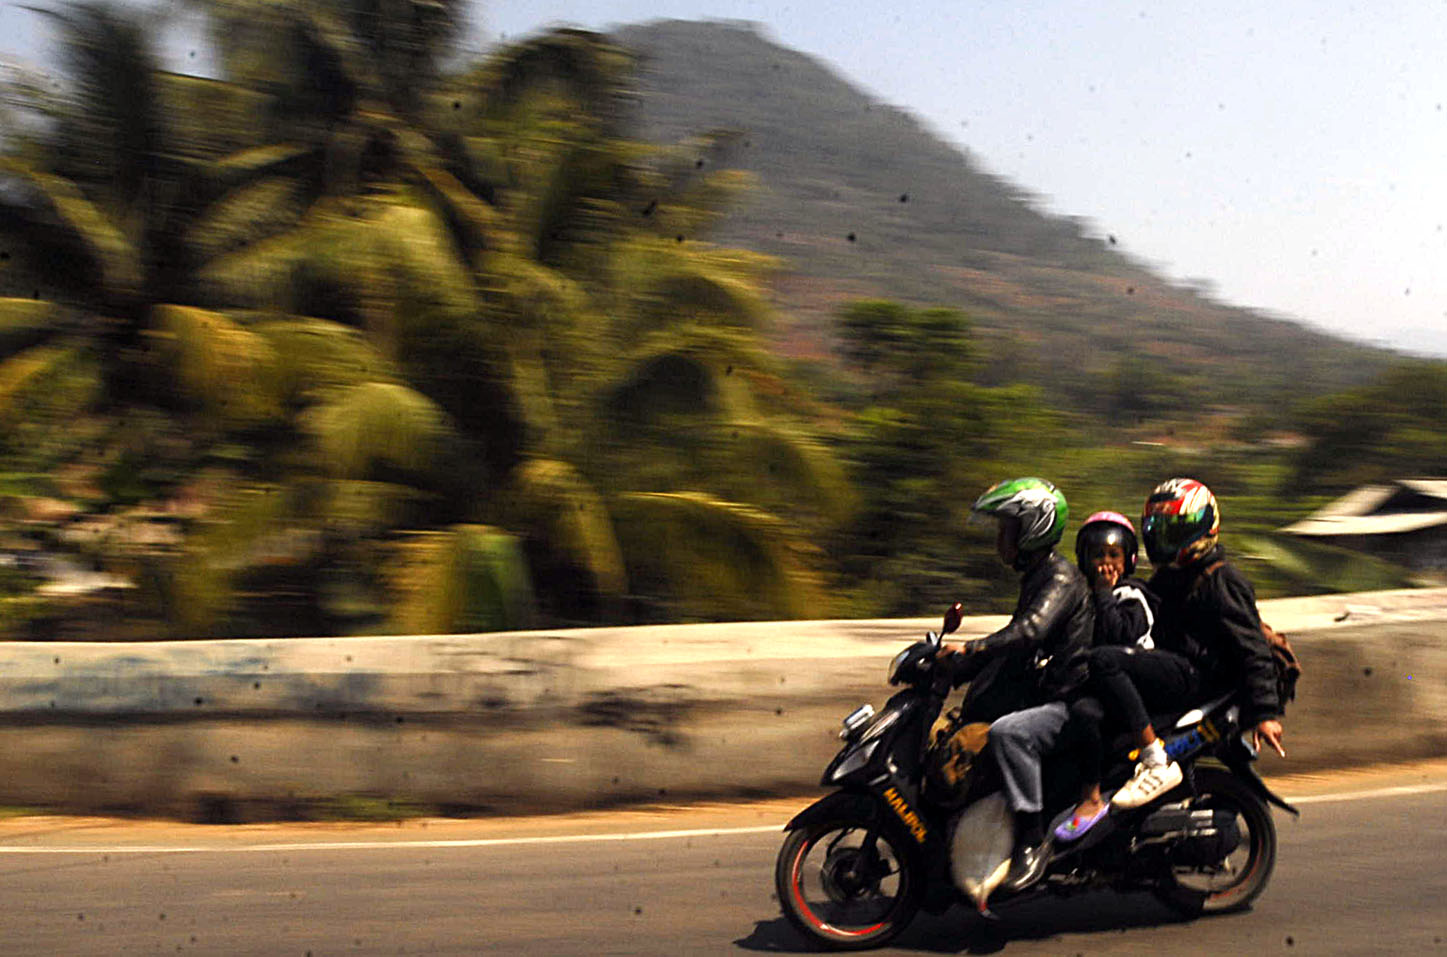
[(1245, 871), (845, 886)]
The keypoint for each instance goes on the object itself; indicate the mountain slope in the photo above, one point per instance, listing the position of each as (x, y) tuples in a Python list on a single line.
[(861, 200)]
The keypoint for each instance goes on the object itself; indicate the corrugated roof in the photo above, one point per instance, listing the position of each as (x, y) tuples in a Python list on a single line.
[(1355, 513), (1437, 488), (1321, 524), (1362, 501)]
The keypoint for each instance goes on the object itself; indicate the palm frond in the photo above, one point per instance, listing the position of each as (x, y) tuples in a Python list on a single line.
[(569, 523), (376, 426), (54, 205), (532, 295), (469, 578), (247, 215), (701, 556), (212, 119), (115, 133), (584, 67), (544, 320), (314, 356), (769, 462), (669, 382), (427, 266), (695, 208), (224, 367), (476, 226), (27, 322), (666, 285), (687, 369), (696, 295), (570, 208), (248, 165), (22, 373), (322, 266)]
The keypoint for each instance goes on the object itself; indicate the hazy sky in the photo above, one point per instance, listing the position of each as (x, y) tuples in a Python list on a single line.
[(1292, 153)]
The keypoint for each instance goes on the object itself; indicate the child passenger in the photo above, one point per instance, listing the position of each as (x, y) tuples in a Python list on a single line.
[(1125, 613)]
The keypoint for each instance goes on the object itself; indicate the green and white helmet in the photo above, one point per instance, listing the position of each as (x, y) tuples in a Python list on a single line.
[(1038, 505)]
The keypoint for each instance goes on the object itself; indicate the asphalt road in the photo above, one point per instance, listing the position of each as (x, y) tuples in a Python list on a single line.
[(1363, 872)]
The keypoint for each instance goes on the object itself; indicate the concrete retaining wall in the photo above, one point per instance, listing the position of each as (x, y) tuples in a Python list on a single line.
[(557, 720)]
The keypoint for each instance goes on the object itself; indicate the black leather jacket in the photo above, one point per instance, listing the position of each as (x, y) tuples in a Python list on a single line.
[(1212, 620), (1050, 632)]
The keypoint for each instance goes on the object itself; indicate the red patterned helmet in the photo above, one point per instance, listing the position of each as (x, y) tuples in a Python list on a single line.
[(1180, 522), (1101, 529)]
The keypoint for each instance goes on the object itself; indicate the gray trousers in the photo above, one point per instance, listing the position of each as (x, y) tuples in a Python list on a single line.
[(1018, 740)]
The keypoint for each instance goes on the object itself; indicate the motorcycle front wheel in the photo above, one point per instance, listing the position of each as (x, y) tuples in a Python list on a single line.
[(1238, 878), (845, 885)]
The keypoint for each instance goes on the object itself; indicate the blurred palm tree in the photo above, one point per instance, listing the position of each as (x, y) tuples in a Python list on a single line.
[(522, 262), (405, 299), (103, 204), (653, 410), (115, 210)]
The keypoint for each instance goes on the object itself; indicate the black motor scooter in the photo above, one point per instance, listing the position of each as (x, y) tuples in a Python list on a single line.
[(893, 836)]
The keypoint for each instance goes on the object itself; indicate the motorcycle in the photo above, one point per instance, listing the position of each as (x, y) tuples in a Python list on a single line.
[(917, 818)]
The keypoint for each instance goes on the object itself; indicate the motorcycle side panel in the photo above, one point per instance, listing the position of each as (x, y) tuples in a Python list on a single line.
[(980, 847), (1240, 764)]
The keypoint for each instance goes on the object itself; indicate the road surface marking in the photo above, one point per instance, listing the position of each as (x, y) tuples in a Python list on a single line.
[(1372, 794), (374, 845), (1368, 795)]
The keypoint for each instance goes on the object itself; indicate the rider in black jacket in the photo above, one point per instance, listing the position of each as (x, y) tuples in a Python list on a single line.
[(1036, 663), (1208, 608)]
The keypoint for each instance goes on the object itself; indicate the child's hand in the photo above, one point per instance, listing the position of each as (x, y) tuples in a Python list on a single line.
[(1107, 575)]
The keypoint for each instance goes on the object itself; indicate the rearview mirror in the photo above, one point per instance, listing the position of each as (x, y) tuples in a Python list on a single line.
[(953, 616)]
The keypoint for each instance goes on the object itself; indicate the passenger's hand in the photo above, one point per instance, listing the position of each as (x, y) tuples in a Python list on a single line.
[(1107, 575), (1271, 731)]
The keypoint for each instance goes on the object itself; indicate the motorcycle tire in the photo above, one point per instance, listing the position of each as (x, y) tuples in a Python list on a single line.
[(845, 887), (1255, 856)]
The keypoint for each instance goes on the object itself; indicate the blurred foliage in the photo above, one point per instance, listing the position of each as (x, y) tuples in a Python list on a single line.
[(464, 579), (361, 337), (923, 442), (1393, 427), (392, 339)]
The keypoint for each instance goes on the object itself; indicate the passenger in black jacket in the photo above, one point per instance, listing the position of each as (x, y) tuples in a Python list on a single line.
[(1129, 676), (1036, 663), (1208, 608), (1208, 613)]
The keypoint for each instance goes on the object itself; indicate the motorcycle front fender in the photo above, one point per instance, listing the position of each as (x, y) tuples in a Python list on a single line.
[(840, 804), (871, 811)]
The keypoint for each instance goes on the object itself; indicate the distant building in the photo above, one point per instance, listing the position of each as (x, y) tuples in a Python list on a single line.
[(1404, 521)]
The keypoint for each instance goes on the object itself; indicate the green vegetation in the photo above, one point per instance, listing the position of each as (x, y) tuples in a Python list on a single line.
[(402, 348), (1393, 427), (363, 338)]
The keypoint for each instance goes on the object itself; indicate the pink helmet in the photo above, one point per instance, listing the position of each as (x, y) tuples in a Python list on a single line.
[(1106, 528)]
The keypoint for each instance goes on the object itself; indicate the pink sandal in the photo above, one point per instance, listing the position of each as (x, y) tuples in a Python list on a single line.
[(1076, 826)]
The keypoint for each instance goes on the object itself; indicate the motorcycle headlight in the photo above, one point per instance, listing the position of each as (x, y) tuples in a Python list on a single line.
[(895, 665), (857, 760)]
